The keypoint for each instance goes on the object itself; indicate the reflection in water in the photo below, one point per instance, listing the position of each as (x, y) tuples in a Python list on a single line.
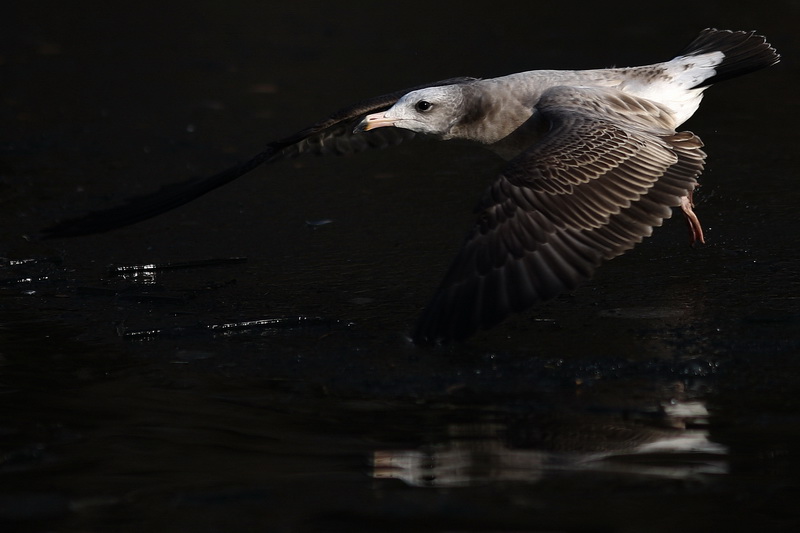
[(482, 453)]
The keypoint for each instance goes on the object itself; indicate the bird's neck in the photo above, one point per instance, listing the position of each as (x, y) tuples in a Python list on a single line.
[(491, 112)]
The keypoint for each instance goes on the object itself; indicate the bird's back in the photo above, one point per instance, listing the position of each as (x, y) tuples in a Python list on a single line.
[(677, 84)]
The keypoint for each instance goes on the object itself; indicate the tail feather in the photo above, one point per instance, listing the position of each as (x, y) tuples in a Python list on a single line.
[(743, 52)]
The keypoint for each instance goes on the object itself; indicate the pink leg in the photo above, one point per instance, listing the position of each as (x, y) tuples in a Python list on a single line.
[(695, 229)]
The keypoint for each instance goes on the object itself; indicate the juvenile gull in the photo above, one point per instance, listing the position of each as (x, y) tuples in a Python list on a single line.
[(594, 162)]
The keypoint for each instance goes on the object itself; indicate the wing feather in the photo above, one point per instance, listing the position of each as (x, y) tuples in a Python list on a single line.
[(609, 169), (333, 135)]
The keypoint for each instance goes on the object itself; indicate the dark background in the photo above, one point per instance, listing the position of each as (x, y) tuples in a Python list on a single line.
[(125, 405)]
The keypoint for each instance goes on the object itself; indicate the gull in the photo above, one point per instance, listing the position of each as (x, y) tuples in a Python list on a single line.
[(594, 162)]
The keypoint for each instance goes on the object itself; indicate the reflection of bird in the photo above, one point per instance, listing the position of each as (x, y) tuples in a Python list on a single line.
[(526, 449), (594, 163)]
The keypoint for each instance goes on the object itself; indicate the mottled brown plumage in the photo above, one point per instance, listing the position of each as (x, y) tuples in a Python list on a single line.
[(589, 190), (595, 161)]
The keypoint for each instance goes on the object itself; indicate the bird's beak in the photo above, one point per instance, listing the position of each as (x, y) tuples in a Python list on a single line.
[(375, 120)]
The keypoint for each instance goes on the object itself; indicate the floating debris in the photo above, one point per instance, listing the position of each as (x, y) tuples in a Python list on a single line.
[(232, 328), (319, 222), (6, 262), (274, 323), (121, 270), (141, 334)]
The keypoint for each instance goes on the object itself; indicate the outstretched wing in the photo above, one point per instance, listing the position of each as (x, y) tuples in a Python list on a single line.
[(333, 135), (609, 169)]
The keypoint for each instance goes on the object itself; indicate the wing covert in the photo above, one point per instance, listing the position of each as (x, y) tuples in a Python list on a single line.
[(590, 189)]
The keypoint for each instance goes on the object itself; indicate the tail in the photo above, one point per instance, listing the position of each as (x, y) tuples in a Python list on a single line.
[(730, 53)]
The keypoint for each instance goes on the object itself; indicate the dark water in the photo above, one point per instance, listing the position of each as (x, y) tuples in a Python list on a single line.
[(264, 382)]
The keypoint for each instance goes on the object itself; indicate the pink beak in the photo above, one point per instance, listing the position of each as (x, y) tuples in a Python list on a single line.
[(375, 120)]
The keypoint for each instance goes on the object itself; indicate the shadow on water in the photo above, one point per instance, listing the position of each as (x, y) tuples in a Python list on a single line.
[(240, 365)]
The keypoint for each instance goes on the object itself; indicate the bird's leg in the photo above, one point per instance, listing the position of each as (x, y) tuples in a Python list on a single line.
[(695, 229)]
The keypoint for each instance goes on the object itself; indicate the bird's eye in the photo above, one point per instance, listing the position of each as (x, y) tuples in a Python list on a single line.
[(423, 105)]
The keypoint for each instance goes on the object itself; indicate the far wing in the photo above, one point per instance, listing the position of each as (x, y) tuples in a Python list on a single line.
[(609, 169), (333, 135)]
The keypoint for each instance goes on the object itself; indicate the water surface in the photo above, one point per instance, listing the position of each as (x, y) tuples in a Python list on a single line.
[(264, 380)]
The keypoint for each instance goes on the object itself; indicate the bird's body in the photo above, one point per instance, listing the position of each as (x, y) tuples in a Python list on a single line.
[(594, 163)]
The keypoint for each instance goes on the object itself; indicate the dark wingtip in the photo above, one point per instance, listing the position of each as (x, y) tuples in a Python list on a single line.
[(172, 196), (451, 317), (148, 206)]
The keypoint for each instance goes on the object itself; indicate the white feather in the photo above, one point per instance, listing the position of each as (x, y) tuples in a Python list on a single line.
[(677, 87)]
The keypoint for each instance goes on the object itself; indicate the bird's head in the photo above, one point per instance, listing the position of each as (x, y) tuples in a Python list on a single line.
[(433, 111)]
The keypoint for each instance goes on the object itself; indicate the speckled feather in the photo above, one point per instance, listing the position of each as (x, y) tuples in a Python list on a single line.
[(591, 189), (594, 163)]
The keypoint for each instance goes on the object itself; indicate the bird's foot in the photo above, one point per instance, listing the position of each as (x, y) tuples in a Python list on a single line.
[(695, 229)]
